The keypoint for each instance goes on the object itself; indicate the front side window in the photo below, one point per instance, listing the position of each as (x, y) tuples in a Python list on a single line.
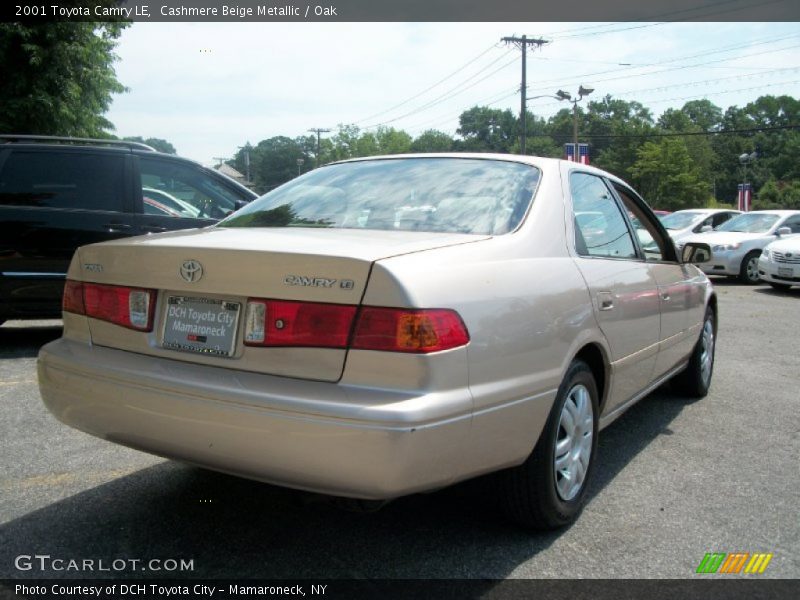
[(176, 190), (66, 180), (600, 227), (455, 195)]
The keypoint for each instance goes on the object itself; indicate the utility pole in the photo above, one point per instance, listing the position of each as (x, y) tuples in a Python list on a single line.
[(319, 131), (522, 43), (246, 149)]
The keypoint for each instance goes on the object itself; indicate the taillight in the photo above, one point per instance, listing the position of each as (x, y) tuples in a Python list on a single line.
[(318, 325), (406, 330), (125, 306), (73, 298), (285, 323)]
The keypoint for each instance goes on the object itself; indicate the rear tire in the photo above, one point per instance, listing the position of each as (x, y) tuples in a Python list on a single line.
[(695, 380), (782, 287), (748, 272), (548, 490)]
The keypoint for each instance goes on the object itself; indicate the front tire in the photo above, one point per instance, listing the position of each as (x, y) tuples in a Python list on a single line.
[(695, 380), (548, 490), (748, 272)]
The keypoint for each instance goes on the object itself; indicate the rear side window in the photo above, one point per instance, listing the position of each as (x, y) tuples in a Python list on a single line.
[(67, 180), (600, 227), (172, 189)]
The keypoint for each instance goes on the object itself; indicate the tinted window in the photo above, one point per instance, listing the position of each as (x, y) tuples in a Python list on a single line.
[(600, 228), (63, 180), (719, 218), (170, 188), (419, 194)]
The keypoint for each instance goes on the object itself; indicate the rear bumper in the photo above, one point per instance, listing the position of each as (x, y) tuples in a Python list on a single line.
[(239, 423)]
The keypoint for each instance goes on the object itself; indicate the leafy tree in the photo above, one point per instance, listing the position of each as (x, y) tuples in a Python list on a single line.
[(392, 141), (667, 177), (58, 78), (778, 194), (432, 141), (274, 162), (157, 143), (487, 129)]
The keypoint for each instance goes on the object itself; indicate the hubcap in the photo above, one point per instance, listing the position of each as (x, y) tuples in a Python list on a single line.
[(707, 351), (574, 443), (752, 269)]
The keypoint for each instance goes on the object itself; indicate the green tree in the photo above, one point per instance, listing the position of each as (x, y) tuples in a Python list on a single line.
[(58, 78), (432, 141), (778, 194), (392, 141), (667, 177), (157, 143), (485, 129), (274, 162)]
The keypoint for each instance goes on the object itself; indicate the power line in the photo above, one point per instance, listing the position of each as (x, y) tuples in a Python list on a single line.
[(451, 75), (450, 93)]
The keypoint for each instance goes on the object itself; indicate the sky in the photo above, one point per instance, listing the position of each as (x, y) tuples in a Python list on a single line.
[(208, 88)]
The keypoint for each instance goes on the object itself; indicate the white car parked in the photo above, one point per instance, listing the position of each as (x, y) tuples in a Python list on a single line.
[(684, 223), (779, 263), (737, 244)]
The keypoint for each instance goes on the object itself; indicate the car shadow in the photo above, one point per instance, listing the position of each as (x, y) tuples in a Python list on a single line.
[(231, 527), (771, 291), (24, 341)]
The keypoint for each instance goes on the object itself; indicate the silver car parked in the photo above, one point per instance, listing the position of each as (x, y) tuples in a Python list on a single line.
[(390, 325)]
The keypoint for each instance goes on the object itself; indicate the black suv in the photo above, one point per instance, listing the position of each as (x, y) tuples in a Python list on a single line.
[(60, 193)]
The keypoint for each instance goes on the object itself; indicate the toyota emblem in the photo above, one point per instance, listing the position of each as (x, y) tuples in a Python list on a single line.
[(191, 271)]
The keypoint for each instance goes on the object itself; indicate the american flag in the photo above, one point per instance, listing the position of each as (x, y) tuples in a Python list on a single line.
[(745, 195), (569, 151), (584, 153)]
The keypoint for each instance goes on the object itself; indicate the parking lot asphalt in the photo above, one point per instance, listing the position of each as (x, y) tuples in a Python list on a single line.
[(675, 479)]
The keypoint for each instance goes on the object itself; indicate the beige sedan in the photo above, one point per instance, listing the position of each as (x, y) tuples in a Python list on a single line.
[(390, 325)]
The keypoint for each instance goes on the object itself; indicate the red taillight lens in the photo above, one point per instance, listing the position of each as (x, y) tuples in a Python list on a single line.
[(310, 324), (404, 330), (73, 298), (128, 307)]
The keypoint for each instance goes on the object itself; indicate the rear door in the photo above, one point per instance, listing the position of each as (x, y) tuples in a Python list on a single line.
[(53, 200), (681, 289), (623, 289)]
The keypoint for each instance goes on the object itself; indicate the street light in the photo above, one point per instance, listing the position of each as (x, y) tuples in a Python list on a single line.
[(562, 95)]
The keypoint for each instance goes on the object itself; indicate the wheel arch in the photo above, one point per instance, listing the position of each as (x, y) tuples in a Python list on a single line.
[(594, 356)]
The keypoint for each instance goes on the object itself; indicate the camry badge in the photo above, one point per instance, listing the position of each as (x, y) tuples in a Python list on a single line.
[(191, 271)]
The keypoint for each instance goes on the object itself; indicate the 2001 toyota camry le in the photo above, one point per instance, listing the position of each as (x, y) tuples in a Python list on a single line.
[(390, 325)]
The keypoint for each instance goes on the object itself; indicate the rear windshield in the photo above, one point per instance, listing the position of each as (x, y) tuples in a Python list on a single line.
[(457, 195), (749, 223)]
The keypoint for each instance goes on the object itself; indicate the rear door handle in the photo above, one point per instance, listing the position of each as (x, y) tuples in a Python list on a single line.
[(605, 300), (153, 228), (115, 227)]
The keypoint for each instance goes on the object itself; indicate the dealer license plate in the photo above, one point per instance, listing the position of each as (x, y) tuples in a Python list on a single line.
[(201, 325), (786, 271)]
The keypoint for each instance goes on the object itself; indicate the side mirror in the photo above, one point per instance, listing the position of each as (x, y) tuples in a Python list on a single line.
[(696, 253), (783, 231), (706, 228)]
